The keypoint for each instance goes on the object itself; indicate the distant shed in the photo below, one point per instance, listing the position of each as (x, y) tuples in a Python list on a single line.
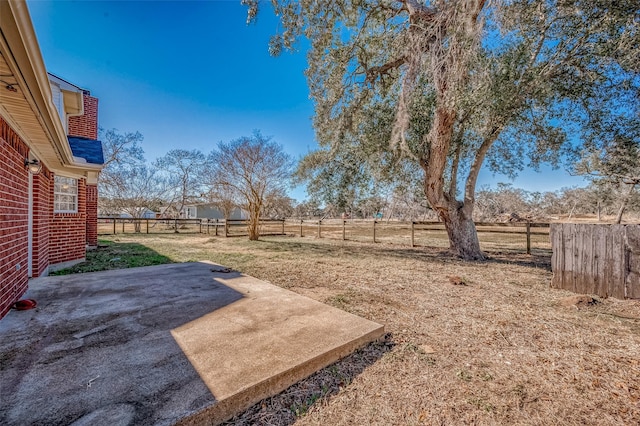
[(596, 259), (211, 211)]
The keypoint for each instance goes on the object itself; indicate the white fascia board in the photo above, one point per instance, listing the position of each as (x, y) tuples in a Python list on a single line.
[(18, 31), (64, 84)]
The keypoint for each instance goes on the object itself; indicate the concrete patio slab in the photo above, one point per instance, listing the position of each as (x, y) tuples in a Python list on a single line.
[(169, 344)]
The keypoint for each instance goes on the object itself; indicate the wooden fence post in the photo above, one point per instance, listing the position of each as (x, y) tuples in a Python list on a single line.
[(528, 237), (301, 228), (344, 233), (123, 221), (319, 228), (147, 225), (114, 226), (200, 222), (413, 231), (374, 230), (283, 233)]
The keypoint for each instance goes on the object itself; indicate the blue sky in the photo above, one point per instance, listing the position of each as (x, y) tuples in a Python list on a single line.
[(189, 74)]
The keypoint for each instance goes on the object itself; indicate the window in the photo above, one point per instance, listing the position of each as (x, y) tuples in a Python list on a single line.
[(65, 195)]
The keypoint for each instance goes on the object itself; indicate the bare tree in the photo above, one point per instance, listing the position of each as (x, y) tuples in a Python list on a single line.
[(122, 152), (134, 191), (252, 169), (308, 209), (127, 185), (121, 148), (502, 203), (221, 197), (183, 171), (277, 205)]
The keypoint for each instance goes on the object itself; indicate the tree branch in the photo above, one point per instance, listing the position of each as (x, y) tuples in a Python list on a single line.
[(470, 186), (454, 171), (374, 72)]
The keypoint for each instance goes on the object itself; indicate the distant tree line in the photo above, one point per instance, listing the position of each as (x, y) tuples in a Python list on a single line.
[(508, 203), (254, 174), (502, 203)]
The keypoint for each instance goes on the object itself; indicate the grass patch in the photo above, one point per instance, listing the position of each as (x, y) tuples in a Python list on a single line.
[(342, 300), (116, 255), (482, 404)]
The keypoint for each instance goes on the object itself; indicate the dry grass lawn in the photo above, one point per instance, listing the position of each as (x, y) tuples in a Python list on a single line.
[(468, 343)]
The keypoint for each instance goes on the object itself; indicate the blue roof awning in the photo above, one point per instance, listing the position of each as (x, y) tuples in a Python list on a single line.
[(89, 149)]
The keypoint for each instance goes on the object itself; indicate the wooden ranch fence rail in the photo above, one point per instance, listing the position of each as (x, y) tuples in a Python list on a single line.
[(596, 259), (238, 228), (229, 228), (408, 233), (378, 231), (111, 225)]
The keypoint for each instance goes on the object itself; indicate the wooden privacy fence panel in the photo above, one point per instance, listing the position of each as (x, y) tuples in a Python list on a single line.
[(633, 277), (596, 259)]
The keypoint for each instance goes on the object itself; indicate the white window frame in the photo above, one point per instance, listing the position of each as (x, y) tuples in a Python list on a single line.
[(70, 194)]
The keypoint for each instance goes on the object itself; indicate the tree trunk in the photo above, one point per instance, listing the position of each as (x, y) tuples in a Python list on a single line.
[(463, 237), (621, 211), (254, 222), (254, 232), (623, 205), (575, 203)]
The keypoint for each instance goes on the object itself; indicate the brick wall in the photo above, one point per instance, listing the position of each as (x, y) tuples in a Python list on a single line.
[(42, 217), (86, 125), (92, 215), (68, 231), (14, 188)]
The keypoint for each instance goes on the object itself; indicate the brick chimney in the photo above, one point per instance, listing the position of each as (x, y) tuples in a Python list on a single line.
[(86, 125)]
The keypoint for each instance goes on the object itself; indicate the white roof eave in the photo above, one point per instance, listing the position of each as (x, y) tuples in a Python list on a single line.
[(27, 55)]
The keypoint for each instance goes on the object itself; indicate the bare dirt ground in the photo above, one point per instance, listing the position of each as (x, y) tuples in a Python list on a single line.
[(468, 343)]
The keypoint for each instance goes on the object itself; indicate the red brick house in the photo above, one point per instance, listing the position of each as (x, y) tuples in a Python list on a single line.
[(50, 160)]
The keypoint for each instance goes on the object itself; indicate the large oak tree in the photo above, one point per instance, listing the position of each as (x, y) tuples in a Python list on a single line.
[(451, 85)]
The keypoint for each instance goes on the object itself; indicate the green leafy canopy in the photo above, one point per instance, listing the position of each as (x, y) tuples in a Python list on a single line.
[(443, 87)]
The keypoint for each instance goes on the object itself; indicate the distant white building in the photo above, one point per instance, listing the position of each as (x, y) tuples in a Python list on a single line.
[(145, 214), (211, 211), (142, 212)]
